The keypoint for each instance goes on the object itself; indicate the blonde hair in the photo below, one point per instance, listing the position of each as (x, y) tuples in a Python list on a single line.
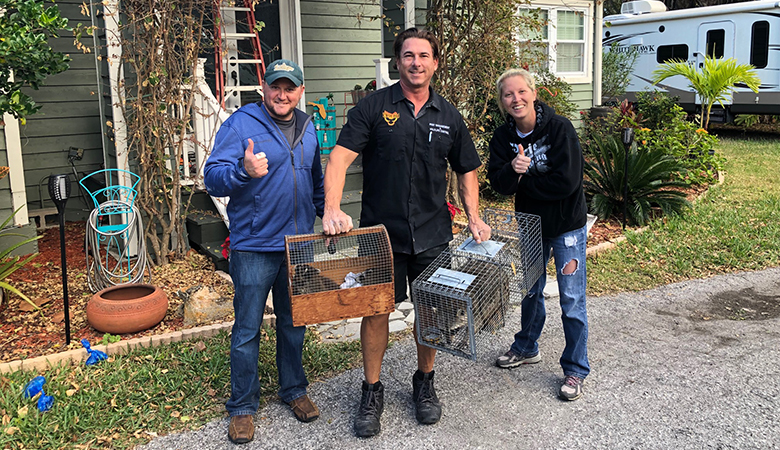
[(509, 73)]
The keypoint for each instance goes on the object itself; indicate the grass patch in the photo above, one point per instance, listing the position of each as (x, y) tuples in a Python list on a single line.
[(735, 227), (128, 399)]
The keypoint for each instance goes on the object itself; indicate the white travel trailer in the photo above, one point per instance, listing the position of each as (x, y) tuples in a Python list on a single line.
[(748, 32)]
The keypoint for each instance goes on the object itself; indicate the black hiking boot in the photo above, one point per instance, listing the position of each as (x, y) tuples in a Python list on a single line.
[(372, 403), (425, 401)]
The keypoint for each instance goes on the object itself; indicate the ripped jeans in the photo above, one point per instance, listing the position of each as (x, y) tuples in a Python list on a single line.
[(574, 360)]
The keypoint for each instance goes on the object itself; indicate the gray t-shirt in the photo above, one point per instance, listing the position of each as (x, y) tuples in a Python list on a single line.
[(288, 128)]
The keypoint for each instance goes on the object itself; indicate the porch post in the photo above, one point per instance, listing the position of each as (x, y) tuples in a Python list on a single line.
[(597, 52), (13, 143), (292, 43), (408, 15), (117, 86)]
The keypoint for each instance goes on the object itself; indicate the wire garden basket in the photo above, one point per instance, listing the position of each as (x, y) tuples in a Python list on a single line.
[(467, 290), (340, 277)]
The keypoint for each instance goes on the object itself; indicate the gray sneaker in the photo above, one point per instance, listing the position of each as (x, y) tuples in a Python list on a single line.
[(571, 389), (511, 359)]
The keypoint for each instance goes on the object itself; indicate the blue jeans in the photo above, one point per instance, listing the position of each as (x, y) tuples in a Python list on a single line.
[(254, 275), (566, 247)]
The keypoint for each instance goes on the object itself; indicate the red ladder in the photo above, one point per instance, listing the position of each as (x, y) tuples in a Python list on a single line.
[(226, 58)]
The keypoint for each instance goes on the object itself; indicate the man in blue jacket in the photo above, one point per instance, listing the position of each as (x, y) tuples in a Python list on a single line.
[(266, 158)]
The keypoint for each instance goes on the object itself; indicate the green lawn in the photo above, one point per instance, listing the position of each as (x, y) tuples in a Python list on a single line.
[(734, 227), (131, 398)]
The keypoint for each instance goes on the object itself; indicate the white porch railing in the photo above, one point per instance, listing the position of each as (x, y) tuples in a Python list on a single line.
[(207, 116), (383, 73)]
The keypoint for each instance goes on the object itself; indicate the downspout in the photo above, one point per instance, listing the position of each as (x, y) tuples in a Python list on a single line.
[(598, 52), (100, 87)]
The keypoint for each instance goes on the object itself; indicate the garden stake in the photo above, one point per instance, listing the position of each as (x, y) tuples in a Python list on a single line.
[(628, 139), (59, 191)]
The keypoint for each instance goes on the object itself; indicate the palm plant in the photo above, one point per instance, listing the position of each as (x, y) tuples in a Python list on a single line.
[(9, 264), (650, 181), (715, 82)]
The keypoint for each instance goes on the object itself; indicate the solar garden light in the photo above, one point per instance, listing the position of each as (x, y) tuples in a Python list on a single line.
[(59, 191), (628, 138)]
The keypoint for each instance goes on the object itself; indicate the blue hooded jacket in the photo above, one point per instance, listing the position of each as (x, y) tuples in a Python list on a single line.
[(287, 200)]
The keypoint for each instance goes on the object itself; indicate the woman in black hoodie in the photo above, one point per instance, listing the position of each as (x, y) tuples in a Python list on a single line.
[(537, 157)]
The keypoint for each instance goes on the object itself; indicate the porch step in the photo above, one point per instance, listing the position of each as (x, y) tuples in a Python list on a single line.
[(207, 233), (205, 227), (213, 250)]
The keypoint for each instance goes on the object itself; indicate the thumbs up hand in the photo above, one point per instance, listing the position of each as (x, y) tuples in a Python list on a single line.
[(521, 162), (256, 165)]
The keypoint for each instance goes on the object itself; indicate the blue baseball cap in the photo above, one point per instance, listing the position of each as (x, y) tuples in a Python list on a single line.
[(284, 68)]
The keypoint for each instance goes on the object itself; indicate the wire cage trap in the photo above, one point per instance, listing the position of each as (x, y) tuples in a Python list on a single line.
[(467, 290), (456, 298), (515, 244), (340, 277)]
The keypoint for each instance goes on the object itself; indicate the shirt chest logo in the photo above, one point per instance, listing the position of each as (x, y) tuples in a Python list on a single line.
[(390, 118)]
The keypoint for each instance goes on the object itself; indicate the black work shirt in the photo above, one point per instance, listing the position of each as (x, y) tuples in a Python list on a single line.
[(405, 165)]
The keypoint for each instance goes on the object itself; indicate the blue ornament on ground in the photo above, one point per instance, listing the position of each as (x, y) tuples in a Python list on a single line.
[(95, 356), (45, 402), (34, 387)]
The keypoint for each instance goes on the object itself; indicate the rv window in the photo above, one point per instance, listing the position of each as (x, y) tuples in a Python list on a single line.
[(716, 41), (759, 45), (670, 52)]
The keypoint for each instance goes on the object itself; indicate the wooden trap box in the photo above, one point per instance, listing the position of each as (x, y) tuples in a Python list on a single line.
[(340, 277)]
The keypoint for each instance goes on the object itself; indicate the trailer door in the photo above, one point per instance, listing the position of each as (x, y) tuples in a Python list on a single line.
[(716, 40)]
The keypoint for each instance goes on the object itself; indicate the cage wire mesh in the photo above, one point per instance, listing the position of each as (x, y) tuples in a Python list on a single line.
[(465, 293), (458, 297), (338, 277), (515, 244)]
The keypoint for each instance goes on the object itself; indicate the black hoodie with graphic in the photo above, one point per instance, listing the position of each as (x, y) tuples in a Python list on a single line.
[(552, 187)]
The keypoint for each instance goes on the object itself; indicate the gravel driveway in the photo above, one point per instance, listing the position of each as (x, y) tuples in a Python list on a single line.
[(667, 373)]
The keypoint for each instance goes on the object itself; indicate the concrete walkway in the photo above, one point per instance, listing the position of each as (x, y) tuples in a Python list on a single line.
[(662, 378)]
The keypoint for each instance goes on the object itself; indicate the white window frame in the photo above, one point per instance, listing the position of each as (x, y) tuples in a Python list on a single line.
[(586, 11)]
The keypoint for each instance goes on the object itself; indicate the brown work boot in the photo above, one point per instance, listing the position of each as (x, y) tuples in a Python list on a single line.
[(304, 409), (241, 429)]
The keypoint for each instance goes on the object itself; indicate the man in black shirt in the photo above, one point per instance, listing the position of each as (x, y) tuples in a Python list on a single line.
[(406, 133)]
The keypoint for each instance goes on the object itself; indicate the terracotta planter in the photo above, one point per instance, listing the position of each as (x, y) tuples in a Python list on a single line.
[(127, 308)]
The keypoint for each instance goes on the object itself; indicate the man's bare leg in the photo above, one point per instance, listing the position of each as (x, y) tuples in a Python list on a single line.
[(374, 333)]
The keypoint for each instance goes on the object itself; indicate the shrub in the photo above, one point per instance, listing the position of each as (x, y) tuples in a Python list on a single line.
[(650, 181), (25, 27), (616, 68), (555, 92), (692, 147), (747, 120), (658, 109), (667, 130)]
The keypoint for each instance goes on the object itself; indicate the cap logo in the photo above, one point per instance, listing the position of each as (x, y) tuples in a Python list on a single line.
[(390, 118), (284, 67)]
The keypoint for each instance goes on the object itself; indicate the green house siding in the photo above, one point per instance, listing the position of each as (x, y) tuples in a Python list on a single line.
[(69, 117), (582, 96), (338, 49)]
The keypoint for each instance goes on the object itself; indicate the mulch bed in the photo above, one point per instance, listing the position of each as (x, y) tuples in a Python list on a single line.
[(26, 333)]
